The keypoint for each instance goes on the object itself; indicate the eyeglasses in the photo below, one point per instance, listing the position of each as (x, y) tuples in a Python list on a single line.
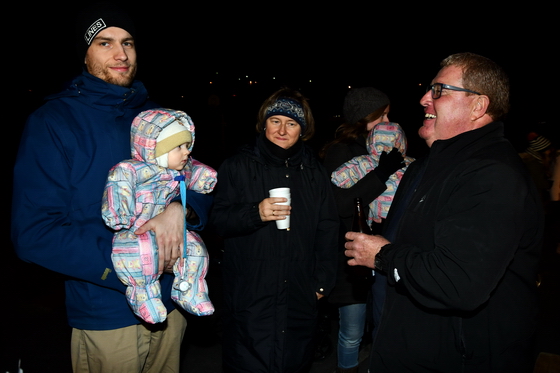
[(436, 89)]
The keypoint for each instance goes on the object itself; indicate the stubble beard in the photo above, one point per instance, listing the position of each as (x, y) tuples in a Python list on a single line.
[(120, 79)]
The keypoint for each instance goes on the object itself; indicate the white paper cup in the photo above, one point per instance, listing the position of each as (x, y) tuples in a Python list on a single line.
[(282, 193), (279, 192)]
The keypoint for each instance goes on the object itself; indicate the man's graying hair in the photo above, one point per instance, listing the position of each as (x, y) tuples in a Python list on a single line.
[(483, 75)]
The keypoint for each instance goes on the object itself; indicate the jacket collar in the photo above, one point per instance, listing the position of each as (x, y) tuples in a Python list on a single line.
[(466, 143), (258, 152), (103, 95), (276, 156)]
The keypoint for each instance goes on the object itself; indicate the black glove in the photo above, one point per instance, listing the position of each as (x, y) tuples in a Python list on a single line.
[(389, 163)]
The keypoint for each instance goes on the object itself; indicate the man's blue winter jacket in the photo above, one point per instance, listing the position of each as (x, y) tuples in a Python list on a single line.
[(67, 148)]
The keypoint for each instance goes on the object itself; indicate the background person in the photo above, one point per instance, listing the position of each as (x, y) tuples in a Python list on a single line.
[(273, 277), (68, 146), (555, 200), (462, 239), (538, 157), (363, 108)]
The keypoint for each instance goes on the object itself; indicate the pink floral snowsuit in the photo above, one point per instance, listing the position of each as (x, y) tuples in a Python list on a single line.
[(136, 191)]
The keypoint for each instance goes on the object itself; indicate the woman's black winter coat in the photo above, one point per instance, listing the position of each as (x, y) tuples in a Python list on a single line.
[(271, 276)]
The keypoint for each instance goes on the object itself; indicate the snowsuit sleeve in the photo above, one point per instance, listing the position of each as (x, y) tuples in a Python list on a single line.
[(352, 171), (202, 178), (118, 206), (367, 188)]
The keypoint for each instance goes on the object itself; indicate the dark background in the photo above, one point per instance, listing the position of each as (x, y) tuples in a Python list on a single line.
[(248, 51)]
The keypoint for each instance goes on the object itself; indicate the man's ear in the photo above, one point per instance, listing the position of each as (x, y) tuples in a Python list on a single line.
[(480, 107)]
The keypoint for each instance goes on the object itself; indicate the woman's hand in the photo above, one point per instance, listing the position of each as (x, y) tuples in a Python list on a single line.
[(270, 210)]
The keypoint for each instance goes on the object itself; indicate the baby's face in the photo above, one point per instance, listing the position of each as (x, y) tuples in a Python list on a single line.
[(177, 158)]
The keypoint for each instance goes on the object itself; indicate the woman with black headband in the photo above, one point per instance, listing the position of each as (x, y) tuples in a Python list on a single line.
[(274, 276)]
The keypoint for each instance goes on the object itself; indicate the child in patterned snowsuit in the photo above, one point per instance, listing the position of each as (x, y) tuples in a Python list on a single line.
[(383, 137), (141, 188)]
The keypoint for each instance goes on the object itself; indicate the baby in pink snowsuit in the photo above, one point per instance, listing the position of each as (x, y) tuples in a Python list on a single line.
[(139, 189)]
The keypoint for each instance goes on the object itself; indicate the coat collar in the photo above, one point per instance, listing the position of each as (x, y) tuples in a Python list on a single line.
[(259, 152), (466, 143), (105, 96)]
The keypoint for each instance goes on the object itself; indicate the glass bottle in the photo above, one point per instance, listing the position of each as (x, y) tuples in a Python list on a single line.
[(359, 224)]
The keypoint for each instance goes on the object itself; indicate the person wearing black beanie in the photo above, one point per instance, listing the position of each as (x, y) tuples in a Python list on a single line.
[(105, 41), (94, 19), (363, 108), (69, 145)]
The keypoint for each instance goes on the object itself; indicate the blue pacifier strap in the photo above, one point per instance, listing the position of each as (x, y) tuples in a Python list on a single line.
[(183, 189)]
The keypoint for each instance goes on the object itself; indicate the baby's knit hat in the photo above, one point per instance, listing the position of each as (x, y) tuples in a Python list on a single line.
[(169, 138), (360, 102)]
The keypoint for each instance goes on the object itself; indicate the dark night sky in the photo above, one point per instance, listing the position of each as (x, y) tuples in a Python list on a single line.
[(394, 48)]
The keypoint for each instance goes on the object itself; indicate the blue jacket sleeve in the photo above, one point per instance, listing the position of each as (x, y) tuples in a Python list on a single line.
[(56, 204), (201, 204)]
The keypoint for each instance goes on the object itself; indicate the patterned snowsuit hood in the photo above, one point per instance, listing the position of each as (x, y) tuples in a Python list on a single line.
[(383, 137), (147, 126)]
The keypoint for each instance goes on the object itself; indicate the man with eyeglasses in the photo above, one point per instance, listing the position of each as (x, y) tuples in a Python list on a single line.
[(462, 239)]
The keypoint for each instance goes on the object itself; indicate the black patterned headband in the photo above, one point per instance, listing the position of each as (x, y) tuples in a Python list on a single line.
[(287, 107)]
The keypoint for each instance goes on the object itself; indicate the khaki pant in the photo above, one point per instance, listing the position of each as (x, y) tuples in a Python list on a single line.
[(135, 349)]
